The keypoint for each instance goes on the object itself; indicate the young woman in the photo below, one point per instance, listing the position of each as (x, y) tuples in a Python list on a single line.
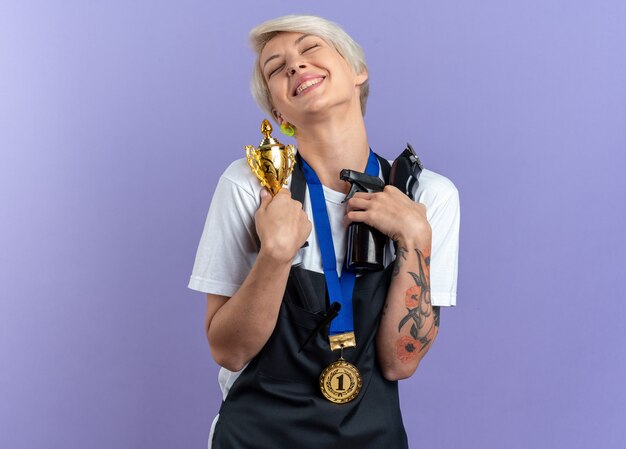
[(271, 296)]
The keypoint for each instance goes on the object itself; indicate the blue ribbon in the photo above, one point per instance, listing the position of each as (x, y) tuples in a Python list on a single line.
[(339, 289)]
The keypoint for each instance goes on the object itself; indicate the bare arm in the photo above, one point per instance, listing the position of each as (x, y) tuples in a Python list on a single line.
[(238, 327), (409, 323)]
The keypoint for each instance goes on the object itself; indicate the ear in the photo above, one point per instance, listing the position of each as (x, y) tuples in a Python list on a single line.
[(362, 77), (277, 116)]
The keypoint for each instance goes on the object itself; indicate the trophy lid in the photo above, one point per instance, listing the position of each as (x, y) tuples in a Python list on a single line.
[(268, 141)]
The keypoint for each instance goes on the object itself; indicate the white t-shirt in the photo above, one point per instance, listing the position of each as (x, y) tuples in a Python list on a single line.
[(229, 246)]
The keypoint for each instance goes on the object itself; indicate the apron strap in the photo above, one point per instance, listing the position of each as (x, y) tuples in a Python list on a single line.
[(298, 182), (384, 167)]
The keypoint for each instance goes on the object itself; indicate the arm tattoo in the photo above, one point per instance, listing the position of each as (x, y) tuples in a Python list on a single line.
[(400, 258), (419, 310)]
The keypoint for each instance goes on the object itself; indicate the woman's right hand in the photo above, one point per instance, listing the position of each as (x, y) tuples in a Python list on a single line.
[(282, 225)]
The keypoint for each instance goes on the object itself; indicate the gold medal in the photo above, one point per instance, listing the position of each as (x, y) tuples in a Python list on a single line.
[(340, 382)]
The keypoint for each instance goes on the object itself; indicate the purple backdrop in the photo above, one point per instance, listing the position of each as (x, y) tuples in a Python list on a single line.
[(117, 117)]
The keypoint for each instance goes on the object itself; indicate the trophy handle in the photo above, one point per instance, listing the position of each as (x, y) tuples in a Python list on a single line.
[(290, 162), (254, 161)]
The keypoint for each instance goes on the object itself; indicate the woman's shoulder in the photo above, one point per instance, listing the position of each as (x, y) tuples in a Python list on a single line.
[(436, 192), (238, 171), (436, 183), (239, 175)]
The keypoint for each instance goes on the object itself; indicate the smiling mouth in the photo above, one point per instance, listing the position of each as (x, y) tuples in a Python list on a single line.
[(307, 84)]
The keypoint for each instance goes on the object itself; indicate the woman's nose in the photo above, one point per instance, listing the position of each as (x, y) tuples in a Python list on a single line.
[(293, 70)]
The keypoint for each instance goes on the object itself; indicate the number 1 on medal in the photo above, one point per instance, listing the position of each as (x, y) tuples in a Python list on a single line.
[(340, 383)]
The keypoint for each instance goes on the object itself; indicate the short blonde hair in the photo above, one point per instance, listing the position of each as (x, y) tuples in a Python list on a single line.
[(318, 26)]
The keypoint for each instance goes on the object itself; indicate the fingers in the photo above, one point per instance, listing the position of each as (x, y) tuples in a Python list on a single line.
[(360, 208), (282, 197), (281, 224), (390, 211), (266, 197), (358, 203), (284, 191), (364, 195), (359, 216)]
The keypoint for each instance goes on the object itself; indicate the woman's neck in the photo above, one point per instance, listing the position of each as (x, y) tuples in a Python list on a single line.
[(330, 146)]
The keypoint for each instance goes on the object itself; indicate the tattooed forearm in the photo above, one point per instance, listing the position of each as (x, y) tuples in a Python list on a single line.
[(400, 259), (421, 316)]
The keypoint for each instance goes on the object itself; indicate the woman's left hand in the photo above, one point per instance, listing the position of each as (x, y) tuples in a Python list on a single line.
[(394, 214)]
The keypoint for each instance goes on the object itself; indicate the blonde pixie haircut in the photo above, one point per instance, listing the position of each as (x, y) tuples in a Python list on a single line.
[(327, 30)]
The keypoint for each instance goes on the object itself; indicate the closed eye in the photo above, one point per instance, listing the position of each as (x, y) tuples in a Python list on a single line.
[(276, 70), (310, 48)]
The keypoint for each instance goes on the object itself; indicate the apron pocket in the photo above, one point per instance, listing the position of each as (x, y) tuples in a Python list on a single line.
[(281, 358)]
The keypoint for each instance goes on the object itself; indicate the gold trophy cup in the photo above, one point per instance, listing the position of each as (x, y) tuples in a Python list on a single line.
[(272, 162)]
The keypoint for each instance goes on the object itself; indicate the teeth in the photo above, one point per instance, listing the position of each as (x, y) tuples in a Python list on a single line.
[(308, 84)]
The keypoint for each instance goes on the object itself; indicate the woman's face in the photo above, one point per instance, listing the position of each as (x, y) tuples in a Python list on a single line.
[(306, 77)]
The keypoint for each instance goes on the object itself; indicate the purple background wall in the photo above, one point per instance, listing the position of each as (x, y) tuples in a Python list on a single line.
[(117, 117)]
